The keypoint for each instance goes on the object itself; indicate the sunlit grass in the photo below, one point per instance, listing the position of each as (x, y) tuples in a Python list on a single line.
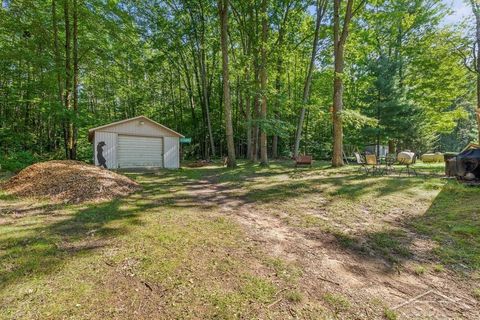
[(163, 252)]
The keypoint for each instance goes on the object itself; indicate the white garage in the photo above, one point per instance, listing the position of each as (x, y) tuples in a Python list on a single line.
[(135, 143)]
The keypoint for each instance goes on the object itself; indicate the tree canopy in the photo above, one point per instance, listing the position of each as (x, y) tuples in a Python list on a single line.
[(69, 65)]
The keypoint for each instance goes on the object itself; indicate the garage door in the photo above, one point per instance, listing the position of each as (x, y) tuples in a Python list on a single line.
[(139, 152)]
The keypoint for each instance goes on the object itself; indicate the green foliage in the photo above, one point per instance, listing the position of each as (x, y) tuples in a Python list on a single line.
[(404, 82), (17, 161)]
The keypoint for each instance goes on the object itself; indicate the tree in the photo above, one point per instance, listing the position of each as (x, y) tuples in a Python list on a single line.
[(340, 35), (321, 8), (75, 79), (476, 12), (68, 124), (263, 83), (223, 12), (163, 59)]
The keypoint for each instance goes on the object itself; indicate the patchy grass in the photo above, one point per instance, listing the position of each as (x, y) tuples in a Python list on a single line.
[(390, 314), (284, 270), (419, 270), (476, 293), (438, 268), (294, 296), (453, 221), (337, 302), (161, 253), (133, 256)]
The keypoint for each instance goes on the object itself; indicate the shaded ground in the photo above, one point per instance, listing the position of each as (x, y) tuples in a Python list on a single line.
[(248, 243)]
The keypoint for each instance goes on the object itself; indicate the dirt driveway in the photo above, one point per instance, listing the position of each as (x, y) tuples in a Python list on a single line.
[(342, 277)]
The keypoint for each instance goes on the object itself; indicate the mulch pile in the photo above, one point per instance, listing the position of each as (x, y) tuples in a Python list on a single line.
[(69, 182)]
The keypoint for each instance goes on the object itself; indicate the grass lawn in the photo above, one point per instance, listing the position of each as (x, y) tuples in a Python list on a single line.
[(252, 242)]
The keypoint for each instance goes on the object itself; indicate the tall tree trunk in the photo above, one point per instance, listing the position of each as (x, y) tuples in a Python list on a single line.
[(339, 39), (68, 85), (198, 52), (75, 78), (223, 11), (248, 117), (278, 88), (207, 106), (476, 11), (58, 63), (256, 108), (321, 8), (278, 80), (263, 83)]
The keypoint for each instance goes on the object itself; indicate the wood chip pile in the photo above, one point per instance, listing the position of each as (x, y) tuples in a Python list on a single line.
[(69, 182)]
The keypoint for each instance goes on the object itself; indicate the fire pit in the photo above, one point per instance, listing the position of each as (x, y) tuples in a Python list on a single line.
[(466, 165)]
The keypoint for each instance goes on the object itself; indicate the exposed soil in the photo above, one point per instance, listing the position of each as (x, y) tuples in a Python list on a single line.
[(370, 283), (69, 182)]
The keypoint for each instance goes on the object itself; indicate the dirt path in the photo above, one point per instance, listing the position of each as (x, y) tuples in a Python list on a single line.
[(369, 283)]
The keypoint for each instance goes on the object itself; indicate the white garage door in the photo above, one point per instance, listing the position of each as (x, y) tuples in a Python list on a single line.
[(139, 152)]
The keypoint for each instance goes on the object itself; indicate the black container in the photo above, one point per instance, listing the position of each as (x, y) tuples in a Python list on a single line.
[(468, 161)]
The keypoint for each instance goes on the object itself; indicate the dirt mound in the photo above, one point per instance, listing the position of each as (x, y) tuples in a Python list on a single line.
[(69, 182)]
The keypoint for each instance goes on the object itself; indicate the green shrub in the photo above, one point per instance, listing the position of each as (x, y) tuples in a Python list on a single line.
[(17, 161)]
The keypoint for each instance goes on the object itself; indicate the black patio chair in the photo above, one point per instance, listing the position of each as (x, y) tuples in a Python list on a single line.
[(390, 160)]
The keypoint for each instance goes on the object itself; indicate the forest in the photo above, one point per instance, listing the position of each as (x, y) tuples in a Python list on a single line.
[(212, 159), (248, 78)]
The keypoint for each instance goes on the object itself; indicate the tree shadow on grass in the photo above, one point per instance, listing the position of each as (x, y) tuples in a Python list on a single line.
[(179, 189), (42, 249), (348, 186), (452, 222)]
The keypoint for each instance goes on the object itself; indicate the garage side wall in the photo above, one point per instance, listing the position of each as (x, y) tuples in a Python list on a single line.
[(108, 152), (171, 152)]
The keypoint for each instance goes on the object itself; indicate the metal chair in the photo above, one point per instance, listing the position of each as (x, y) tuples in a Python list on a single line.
[(372, 161), (390, 160), (362, 163)]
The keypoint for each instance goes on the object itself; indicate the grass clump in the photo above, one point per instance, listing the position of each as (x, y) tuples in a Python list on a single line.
[(438, 268), (476, 293), (337, 302), (294, 296), (283, 270), (258, 289), (419, 270), (389, 314)]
